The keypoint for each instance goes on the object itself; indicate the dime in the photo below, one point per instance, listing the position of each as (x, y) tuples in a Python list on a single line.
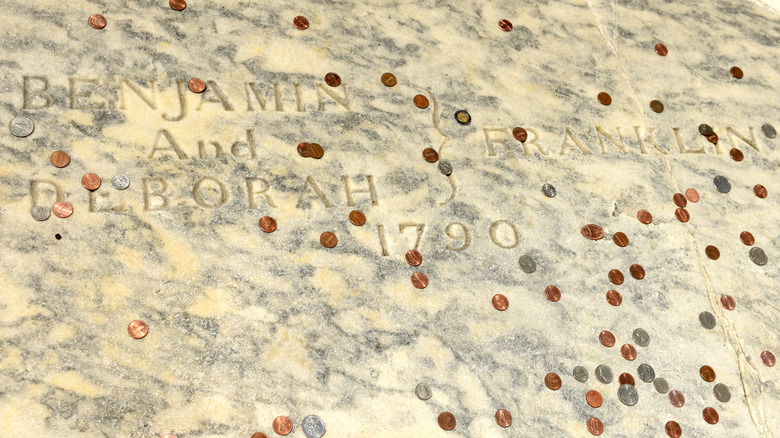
[(332, 79), (692, 195), (604, 98), (553, 381), (707, 320), (505, 25), (196, 85), (604, 374), (644, 216), (552, 293), (646, 373), (282, 425), (712, 252), (419, 280), (676, 398), (707, 373), (768, 358), (673, 429), (527, 264), (315, 150), (328, 239), (628, 352), (40, 213), (430, 155), (446, 421), (616, 277), (301, 22), (313, 427), (661, 385), (637, 271), (728, 302), (657, 106), (120, 182), (682, 215), (21, 127), (445, 167), (177, 5), (413, 257), (627, 395), (736, 72), (421, 101), (302, 149), (758, 256), (520, 134), (614, 298), (59, 159), (62, 209), (747, 238), (594, 398), (760, 191), (549, 190), (620, 239), (595, 426), (626, 379), (500, 302), (705, 129), (97, 21), (463, 117), (722, 392), (722, 184), (679, 200), (389, 80), (423, 391), (661, 49), (503, 418), (580, 374), (710, 415), (641, 337), (736, 154), (357, 218), (606, 338), (592, 232), (137, 329), (267, 224), (768, 130)]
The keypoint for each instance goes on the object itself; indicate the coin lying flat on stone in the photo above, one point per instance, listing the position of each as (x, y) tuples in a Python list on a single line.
[(446, 421), (445, 167), (592, 232), (722, 184), (768, 130), (604, 374), (707, 320), (41, 213), (527, 264), (282, 425), (313, 426), (628, 395), (580, 374), (549, 190), (423, 391), (722, 392), (120, 182), (21, 127), (503, 418), (758, 256), (661, 385), (646, 373)]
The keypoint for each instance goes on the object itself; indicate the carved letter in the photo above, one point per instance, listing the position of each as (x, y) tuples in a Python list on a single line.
[(371, 189), (180, 84), (532, 142), (489, 140), (150, 100), (681, 144), (148, 194), (75, 93), (196, 193), (642, 149), (172, 146), (28, 93), (35, 191), (299, 98), (202, 149), (251, 87), (252, 191), (250, 141), (753, 143), (212, 88), (602, 134), (566, 147), (303, 199), (341, 101)]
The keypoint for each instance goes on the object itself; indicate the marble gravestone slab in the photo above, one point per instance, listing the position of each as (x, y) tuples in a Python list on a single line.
[(246, 326)]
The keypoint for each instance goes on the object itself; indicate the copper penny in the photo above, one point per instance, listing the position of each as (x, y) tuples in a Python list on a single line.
[(626, 379), (616, 277), (676, 398), (661, 49), (282, 425), (302, 150), (196, 85), (503, 418), (419, 280), (446, 421), (592, 232), (267, 224), (90, 181), (357, 218), (520, 134), (606, 338), (644, 216), (679, 200), (707, 373), (737, 72), (552, 293), (710, 415), (657, 106), (168, 435), (768, 358), (413, 257), (736, 154), (97, 21), (62, 209), (713, 138), (259, 435), (682, 215), (604, 98), (59, 159), (595, 426), (673, 429), (628, 352), (728, 302), (500, 302), (760, 191), (430, 155), (177, 5), (389, 80), (137, 329), (594, 398), (705, 129), (421, 101), (328, 239), (301, 22), (315, 150), (637, 271), (747, 238), (620, 239), (614, 298), (712, 252), (505, 25), (553, 381), (333, 79), (692, 195)]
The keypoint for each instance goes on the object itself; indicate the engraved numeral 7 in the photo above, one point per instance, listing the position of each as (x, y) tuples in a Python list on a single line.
[(420, 229)]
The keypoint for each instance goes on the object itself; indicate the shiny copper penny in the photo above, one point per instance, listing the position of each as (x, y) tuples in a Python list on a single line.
[(661, 49), (196, 85), (736, 154), (614, 298), (712, 252), (137, 329), (673, 429), (505, 25), (679, 200), (301, 22), (606, 338), (553, 381), (500, 302), (552, 293), (657, 106), (177, 5), (520, 134), (604, 98), (168, 435), (259, 435), (446, 421), (628, 352), (503, 418), (595, 426), (676, 398), (728, 302), (333, 79), (644, 216), (616, 277), (97, 21), (302, 150), (626, 379), (421, 101), (707, 373), (692, 195), (267, 224), (682, 215), (430, 155), (760, 191), (328, 239), (389, 80), (594, 398), (637, 271), (419, 280), (62, 209), (315, 150), (710, 415), (59, 159), (357, 218), (282, 425), (768, 358), (747, 238), (592, 232), (620, 239), (736, 72), (90, 181), (413, 257), (713, 138)]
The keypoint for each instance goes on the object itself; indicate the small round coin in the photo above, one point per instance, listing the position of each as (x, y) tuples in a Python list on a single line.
[(505, 25), (446, 421), (91, 182), (604, 374), (760, 191), (421, 101), (500, 302), (520, 134), (503, 418), (120, 182), (552, 381), (628, 395), (712, 252), (419, 280), (413, 257), (736, 154), (196, 85), (722, 392), (40, 213), (707, 320), (710, 415), (328, 239), (177, 5), (646, 373), (430, 155), (676, 398), (62, 209), (682, 215), (768, 358), (722, 184), (747, 238), (679, 200), (604, 98), (768, 130), (259, 435), (758, 256), (552, 293), (549, 190), (673, 429), (21, 126), (620, 239), (580, 373), (315, 150), (332, 79), (595, 426), (728, 302), (527, 264), (641, 337), (657, 106), (661, 385), (592, 232), (594, 398), (59, 159), (637, 271), (301, 22), (606, 338), (389, 80), (707, 373), (614, 298), (616, 277), (713, 138), (302, 149), (736, 72), (644, 217), (97, 21), (267, 224), (628, 352), (137, 329), (445, 167), (357, 218), (692, 195), (463, 117), (705, 129), (423, 391), (282, 425), (661, 49), (313, 426)]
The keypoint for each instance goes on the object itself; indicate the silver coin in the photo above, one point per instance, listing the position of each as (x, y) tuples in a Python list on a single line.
[(445, 167), (604, 374), (628, 395), (549, 190), (21, 126), (120, 182), (580, 374), (661, 385), (641, 337), (707, 320), (41, 213), (423, 391), (722, 392), (646, 373), (527, 264), (758, 256), (313, 427), (722, 184), (768, 130)]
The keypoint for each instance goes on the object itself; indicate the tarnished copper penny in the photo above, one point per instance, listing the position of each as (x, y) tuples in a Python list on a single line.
[(712, 252), (137, 329), (357, 218), (595, 426), (97, 21), (705, 129), (682, 215), (62, 209), (503, 418), (500, 302), (552, 293), (90, 181), (736, 72), (768, 358), (628, 352), (430, 155), (661, 49), (333, 79), (728, 302), (657, 106), (301, 22), (676, 398), (637, 271), (614, 298), (713, 138), (616, 277), (59, 159), (692, 195), (747, 238), (594, 398), (644, 216), (421, 101), (267, 224), (177, 5), (446, 421), (168, 435), (592, 232), (736, 154), (259, 435), (413, 257), (505, 25), (673, 429), (626, 379), (520, 134), (710, 415), (315, 150), (620, 239), (419, 280), (604, 98), (302, 149), (282, 425), (707, 373), (760, 191), (553, 381), (389, 80), (196, 85), (328, 239), (606, 338), (679, 200)]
